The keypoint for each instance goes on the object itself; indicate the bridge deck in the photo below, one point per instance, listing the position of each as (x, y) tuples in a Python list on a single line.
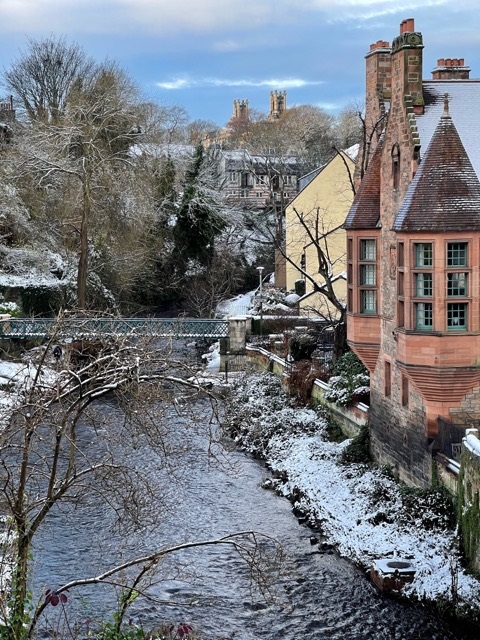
[(98, 327)]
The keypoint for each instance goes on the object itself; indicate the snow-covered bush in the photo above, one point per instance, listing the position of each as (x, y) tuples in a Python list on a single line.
[(259, 410), (350, 382)]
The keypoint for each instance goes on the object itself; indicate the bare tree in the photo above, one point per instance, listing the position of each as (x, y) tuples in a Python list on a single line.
[(43, 76), (95, 132), (47, 460)]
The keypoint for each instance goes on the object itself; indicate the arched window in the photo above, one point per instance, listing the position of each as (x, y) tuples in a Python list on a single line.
[(396, 165)]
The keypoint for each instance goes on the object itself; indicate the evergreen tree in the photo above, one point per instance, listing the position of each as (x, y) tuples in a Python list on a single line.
[(199, 218)]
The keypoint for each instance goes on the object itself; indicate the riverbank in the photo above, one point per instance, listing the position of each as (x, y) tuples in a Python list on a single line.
[(359, 510)]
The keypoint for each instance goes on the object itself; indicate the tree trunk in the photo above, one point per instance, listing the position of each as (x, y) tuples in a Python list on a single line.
[(16, 629), (83, 258), (340, 340)]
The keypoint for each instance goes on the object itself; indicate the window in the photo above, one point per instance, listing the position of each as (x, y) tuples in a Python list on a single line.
[(404, 391), (350, 300), (247, 180), (368, 301), (368, 274), (456, 316), (424, 254), (423, 285), (395, 166), (424, 315), (388, 379), (368, 250), (233, 176), (456, 284), (457, 254), (401, 313), (400, 255), (400, 283)]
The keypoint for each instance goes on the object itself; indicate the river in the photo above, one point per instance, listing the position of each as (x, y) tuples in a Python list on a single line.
[(318, 595)]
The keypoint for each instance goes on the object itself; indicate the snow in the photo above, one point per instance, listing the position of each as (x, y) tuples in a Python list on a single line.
[(472, 442), (359, 509), (237, 306)]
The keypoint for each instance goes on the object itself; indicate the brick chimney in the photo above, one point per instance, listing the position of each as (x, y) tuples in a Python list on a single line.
[(451, 69), (378, 83)]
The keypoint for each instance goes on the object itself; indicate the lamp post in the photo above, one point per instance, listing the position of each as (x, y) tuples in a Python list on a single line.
[(260, 291)]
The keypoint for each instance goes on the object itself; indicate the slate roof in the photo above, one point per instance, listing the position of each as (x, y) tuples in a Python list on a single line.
[(365, 210), (445, 192), (464, 107)]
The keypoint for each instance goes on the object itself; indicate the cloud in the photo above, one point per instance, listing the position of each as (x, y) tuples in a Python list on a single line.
[(226, 46), (127, 16), (188, 83)]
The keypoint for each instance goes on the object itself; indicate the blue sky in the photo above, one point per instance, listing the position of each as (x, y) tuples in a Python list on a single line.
[(203, 54)]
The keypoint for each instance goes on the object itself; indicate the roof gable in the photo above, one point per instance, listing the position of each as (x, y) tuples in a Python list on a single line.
[(365, 210), (445, 193)]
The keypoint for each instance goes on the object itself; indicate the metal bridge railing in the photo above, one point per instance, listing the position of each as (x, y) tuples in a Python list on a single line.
[(91, 327)]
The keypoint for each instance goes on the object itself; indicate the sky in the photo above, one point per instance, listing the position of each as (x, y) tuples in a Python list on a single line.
[(203, 54)]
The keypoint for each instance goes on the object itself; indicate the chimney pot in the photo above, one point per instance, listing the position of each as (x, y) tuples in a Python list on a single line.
[(409, 25), (461, 62), (441, 62)]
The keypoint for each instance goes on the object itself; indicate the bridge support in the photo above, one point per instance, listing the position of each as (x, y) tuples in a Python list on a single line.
[(233, 349)]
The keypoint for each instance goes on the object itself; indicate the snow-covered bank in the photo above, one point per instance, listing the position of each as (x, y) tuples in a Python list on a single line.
[(359, 509)]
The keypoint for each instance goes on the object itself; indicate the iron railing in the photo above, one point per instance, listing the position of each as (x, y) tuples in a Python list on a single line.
[(92, 327), (449, 438)]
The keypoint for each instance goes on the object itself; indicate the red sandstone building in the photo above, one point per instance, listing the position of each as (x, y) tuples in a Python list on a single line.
[(413, 251)]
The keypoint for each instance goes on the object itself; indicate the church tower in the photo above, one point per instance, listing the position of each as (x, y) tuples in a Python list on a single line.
[(278, 104)]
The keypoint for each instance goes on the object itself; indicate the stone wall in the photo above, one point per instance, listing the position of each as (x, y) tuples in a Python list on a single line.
[(349, 419), (469, 498)]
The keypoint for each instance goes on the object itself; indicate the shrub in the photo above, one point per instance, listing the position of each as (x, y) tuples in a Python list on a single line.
[(301, 379), (302, 345), (350, 382), (358, 451), (429, 508)]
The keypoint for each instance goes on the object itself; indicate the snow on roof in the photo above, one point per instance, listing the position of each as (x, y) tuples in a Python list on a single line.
[(464, 107)]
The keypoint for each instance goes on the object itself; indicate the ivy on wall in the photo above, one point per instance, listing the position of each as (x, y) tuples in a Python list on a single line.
[(469, 509)]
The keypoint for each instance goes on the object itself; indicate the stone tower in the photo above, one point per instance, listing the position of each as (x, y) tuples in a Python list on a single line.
[(240, 110), (278, 104)]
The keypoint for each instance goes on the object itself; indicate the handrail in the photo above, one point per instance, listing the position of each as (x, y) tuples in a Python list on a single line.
[(79, 326)]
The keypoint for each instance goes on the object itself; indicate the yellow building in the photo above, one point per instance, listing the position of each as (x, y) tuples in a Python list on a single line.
[(314, 236)]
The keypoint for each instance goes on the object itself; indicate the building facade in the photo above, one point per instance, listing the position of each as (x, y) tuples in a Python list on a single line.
[(413, 253), (314, 234)]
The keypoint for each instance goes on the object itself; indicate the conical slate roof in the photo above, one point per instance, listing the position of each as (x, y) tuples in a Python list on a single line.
[(445, 192), (365, 210)]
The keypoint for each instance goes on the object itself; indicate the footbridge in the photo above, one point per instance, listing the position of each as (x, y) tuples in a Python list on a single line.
[(77, 328), (232, 332)]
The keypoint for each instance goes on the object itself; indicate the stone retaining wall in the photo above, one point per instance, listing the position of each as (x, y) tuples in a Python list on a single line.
[(349, 419)]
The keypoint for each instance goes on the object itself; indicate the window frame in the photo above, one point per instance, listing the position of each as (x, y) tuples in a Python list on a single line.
[(367, 263), (423, 283)]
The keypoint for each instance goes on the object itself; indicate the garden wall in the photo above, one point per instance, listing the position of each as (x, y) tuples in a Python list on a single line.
[(349, 419), (469, 498)]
